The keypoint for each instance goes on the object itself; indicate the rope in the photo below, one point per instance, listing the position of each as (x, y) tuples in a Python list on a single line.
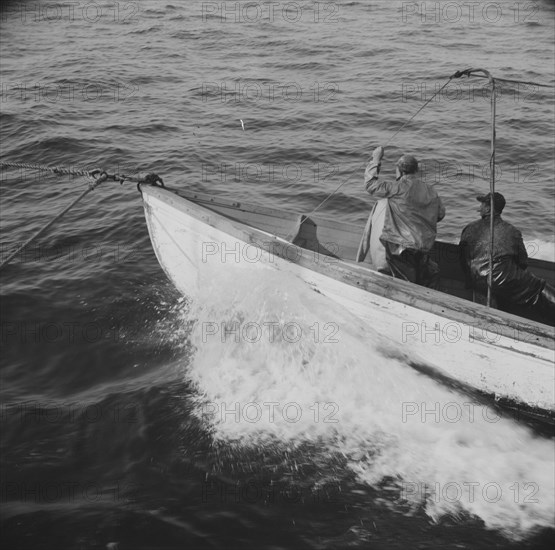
[(287, 237), (55, 170), (77, 172), (92, 185), (468, 72), (431, 99), (387, 143), (98, 176), (508, 80)]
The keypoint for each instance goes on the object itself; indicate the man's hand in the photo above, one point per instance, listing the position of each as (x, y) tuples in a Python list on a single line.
[(377, 155), (373, 168)]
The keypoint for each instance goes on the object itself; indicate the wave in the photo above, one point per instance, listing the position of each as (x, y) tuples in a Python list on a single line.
[(278, 365)]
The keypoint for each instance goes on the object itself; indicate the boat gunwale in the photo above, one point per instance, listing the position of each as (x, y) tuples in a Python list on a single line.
[(207, 200), (406, 293)]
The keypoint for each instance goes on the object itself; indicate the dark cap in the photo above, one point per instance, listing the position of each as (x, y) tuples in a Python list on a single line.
[(498, 201), (407, 164)]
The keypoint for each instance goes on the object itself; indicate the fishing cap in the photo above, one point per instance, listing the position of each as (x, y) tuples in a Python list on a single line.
[(498, 201), (407, 164)]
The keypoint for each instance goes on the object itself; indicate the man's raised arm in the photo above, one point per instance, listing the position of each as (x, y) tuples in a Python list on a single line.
[(373, 186)]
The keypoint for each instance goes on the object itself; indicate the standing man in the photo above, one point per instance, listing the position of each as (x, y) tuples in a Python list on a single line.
[(510, 280), (410, 227)]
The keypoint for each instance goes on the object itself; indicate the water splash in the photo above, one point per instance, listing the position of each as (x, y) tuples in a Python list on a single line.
[(276, 362)]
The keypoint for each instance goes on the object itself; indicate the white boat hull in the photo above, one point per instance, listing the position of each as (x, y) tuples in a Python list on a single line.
[(189, 241)]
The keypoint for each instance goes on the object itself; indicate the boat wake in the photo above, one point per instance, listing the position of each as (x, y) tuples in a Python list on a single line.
[(278, 364)]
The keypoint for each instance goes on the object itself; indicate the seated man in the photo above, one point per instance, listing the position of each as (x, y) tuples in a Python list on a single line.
[(511, 281), (410, 226)]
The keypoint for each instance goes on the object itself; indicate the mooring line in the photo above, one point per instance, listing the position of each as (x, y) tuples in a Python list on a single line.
[(98, 176), (34, 237), (69, 171)]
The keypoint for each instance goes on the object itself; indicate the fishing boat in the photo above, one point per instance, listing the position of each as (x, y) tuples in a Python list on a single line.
[(446, 333), (507, 355)]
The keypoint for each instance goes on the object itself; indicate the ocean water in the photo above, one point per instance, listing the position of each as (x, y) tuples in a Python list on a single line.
[(135, 418)]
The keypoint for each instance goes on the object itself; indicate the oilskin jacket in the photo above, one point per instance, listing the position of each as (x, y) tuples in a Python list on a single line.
[(510, 279), (413, 210)]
